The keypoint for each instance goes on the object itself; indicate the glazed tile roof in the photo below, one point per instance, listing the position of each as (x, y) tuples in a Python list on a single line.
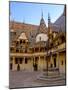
[(20, 26)]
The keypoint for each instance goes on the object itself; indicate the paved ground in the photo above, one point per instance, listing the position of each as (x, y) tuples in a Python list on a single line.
[(31, 79)]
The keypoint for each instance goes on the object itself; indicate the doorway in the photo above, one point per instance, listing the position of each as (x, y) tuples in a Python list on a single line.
[(35, 67), (18, 67), (11, 66), (54, 62), (35, 64)]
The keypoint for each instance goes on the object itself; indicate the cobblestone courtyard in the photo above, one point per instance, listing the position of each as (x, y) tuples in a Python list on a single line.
[(20, 79)]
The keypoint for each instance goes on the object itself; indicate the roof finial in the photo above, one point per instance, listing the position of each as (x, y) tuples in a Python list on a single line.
[(42, 13), (12, 19), (49, 20), (23, 19)]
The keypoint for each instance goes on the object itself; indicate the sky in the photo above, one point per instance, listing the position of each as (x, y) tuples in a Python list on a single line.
[(31, 13)]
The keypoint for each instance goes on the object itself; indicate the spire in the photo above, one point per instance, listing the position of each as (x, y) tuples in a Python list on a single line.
[(42, 20), (42, 14), (49, 22), (42, 26), (23, 25)]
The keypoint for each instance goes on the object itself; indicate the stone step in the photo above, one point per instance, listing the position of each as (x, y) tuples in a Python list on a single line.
[(51, 78)]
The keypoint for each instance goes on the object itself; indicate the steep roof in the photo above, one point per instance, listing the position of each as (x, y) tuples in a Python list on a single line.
[(19, 26), (60, 22), (30, 30)]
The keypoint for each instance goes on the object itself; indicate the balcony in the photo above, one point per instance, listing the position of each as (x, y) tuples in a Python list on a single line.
[(41, 53)]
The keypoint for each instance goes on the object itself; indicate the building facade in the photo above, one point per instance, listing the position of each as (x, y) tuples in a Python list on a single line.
[(38, 47)]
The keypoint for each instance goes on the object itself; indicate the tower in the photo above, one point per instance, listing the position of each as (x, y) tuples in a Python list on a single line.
[(42, 22), (42, 26)]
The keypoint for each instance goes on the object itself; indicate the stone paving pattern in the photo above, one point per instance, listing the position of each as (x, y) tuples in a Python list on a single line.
[(18, 79)]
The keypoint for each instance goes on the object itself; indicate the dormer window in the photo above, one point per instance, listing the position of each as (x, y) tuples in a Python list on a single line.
[(17, 43), (20, 41), (39, 38), (23, 41), (17, 50)]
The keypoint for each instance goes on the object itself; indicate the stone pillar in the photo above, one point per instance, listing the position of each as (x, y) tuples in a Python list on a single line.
[(33, 62), (51, 60), (58, 62), (24, 59), (13, 64), (23, 63), (45, 67), (39, 63)]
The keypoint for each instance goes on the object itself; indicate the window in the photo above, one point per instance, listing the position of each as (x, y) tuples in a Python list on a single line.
[(23, 41), (62, 62), (16, 43), (26, 60), (16, 60), (51, 65), (21, 51), (17, 50), (51, 44), (11, 49), (20, 41), (20, 60), (14, 33), (42, 49), (39, 38), (52, 36), (42, 57), (25, 50), (36, 59), (45, 48), (36, 49)]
